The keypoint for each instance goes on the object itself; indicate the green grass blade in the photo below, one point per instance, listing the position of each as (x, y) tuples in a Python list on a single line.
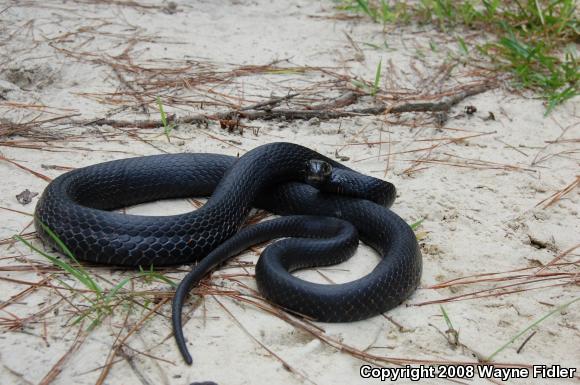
[(162, 278), (58, 242), (79, 273), (162, 112), (113, 292), (415, 225), (377, 78), (556, 310), (446, 317), (462, 45), (359, 84), (365, 7), (151, 275)]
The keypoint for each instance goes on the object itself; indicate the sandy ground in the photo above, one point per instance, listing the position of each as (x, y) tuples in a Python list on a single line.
[(477, 183)]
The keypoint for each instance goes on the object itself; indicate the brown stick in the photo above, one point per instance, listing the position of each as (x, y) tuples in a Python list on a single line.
[(322, 111), (342, 101), (37, 174), (443, 104)]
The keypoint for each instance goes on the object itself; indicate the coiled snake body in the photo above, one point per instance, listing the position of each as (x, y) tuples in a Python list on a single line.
[(284, 178)]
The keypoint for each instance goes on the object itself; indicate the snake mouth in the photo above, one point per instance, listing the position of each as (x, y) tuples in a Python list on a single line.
[(318, 172)]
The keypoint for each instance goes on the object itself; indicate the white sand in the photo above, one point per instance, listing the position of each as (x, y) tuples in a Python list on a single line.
[(478, 196)]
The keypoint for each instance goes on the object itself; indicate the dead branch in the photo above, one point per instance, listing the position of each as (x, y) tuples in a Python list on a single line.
[(342, 101), (443, 104), (323, 111)]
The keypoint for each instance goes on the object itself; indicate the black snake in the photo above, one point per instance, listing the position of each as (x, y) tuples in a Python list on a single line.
[(304, 186)]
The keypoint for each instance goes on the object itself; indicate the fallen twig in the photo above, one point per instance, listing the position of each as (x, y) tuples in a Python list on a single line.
[(286, 366), (57, 368), (120, 341), (559, 194), (323, 111), (557, 258), (37, 174), (445, 103)]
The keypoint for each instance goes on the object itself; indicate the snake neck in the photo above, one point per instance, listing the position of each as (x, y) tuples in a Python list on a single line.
[(263, 167)]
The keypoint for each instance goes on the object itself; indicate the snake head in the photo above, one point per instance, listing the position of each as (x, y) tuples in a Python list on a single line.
[(318, 172)]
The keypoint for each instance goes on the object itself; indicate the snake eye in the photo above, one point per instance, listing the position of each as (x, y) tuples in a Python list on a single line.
[(318, 172)]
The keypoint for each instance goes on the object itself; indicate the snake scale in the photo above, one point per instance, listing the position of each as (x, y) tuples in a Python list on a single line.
[(325, 208)]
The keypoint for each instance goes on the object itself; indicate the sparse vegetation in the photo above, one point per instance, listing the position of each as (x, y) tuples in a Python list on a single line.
[(534, 324), (374, 87), (100, 302), (451, 333), (533, 39)]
